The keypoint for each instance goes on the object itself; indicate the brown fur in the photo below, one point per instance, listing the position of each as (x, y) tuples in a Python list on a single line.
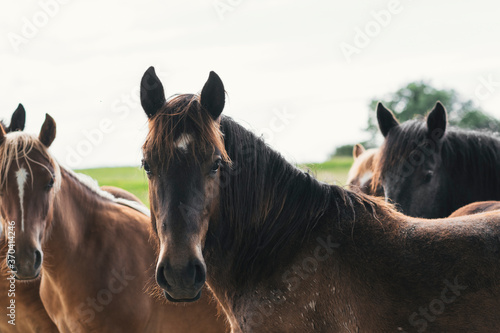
[(88, 241), (30, 312), (121, 193), (286, 253), (164, 130), (360, 175), (476, 208)]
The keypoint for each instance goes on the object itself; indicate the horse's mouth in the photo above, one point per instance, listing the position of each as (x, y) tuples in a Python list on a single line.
[(18, 278), (182, 300)]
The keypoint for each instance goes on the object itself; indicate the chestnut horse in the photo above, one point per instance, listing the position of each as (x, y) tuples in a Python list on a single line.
[(27, 308), (94, 249), (283, 252), (477, 207), (360, 175)]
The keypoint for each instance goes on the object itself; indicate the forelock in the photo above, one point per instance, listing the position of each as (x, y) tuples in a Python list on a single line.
[(182, 126), (17, 146)]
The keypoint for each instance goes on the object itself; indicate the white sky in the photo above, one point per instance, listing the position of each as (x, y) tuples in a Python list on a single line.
[(85, 62)]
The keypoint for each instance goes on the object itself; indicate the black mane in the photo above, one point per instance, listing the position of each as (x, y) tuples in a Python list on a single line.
[(272, 205), (470, 158)]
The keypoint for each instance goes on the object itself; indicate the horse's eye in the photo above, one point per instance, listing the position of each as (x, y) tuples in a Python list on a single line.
[(215, 166), (50, 184), (428, 176), (146, 168)]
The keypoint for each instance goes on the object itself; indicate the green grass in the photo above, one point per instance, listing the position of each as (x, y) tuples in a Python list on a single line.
[(333, 171), (134, 180)]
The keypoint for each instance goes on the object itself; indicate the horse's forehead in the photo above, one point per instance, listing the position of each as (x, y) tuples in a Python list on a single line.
[(183, 141), (35, 163)]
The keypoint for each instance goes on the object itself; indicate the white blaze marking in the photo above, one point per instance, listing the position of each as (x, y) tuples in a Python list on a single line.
[(183, 141), (21, 177), (366, 177)]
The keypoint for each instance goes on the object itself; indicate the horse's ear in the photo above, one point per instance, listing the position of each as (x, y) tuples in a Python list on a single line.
[(436, 121), (18, 119), (152, 92), (2, 135), (48, 131), (358, 150), (386, 119), (213, 95)]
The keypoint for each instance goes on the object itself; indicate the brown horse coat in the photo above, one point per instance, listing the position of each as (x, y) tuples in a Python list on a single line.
[(360, 174), (30, 314), (98, 261), (283, 252), (115, 264), (476, 208)]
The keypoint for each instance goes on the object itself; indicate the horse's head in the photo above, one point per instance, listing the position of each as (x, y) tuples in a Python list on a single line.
[(183, 153), (29, 179), (360, 175), (409, 165)]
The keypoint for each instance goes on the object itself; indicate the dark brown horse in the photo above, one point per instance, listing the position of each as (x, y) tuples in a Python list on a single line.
[(430, 169), (286, 253), (477, 208), (27, 311), (93, 249)]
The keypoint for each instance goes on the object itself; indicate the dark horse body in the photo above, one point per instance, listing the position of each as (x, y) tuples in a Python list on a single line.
[(431, 171), (285, 253)]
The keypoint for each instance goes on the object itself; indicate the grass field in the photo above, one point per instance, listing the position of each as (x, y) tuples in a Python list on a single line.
[(134, 180)]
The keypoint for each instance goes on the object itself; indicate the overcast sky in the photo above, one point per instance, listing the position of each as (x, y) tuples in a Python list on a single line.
[(299, 72)]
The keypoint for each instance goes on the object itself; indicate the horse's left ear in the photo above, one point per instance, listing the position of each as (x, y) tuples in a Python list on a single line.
[(152, 92), (48, 131), (436, 121), (213, 95), (358, 150), (18, 119), (2, 134), (386, 119)]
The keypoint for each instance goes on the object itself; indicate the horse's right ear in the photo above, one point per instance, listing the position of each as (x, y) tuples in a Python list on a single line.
[(2, 135), (213, 96), (436, 121), (152, 93), (18, 119), (386, 119), (48, 131), (358, 150)]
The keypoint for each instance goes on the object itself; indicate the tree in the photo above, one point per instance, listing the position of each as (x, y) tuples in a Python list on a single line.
[(417, 98)]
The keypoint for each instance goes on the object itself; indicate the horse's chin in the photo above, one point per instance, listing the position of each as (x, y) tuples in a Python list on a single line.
[(24, 278), (183, 300)]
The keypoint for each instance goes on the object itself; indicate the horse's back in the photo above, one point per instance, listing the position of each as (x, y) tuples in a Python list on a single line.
[(476, 208), (120, 193)]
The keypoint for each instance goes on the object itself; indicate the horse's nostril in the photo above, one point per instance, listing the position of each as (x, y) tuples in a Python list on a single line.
[(161, 277), (38, 260), (199, 274)]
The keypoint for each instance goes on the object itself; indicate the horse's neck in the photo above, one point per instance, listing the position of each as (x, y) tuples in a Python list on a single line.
[(75, 207), (474, 174), (251, 246), (329, 250)]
